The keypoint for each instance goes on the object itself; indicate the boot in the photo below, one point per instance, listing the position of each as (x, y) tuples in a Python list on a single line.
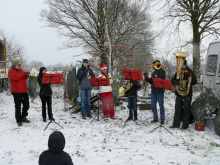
[(25, 120), (19, 124), (129, 118), (154, 121)]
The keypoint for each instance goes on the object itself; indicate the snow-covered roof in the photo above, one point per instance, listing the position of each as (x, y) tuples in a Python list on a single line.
[(215, 41), (2, 40)]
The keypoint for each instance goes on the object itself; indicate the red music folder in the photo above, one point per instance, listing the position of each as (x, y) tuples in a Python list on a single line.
[(100, 82), (133, 74), (162, 83), (52, 78)]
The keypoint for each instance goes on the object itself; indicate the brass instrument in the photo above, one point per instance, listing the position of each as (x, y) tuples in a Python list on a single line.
[(107, 76), (157, 65), (182, 89), (123, 90), (87, 73)]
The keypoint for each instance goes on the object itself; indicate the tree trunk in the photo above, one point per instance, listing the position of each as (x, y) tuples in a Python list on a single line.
[(196, 48), (196, 58)]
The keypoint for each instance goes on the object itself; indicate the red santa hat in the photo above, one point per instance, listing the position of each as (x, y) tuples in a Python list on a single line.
[(103, 66)]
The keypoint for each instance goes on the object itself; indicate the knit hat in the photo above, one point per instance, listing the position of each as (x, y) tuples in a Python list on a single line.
[(155, 61), (103, 66), (14, 62), (85, 61), (41, 69)]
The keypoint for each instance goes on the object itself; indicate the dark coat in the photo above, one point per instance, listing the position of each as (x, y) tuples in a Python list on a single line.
[(55, 154), (45, 89), (160, 73), (135, 87), (193, 82), (84, 82)]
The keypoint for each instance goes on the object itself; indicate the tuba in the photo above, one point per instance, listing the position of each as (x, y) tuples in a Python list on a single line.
[(184, 87)]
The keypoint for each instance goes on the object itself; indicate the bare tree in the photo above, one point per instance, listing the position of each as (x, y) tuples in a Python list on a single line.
[(36, 64), (97, 23), (14, 49), (204, 17)]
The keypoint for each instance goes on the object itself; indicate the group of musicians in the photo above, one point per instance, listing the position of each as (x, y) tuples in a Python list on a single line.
[(182, 105), (183, 79)]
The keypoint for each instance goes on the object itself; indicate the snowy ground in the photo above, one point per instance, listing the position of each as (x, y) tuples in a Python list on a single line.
[(103, 143)]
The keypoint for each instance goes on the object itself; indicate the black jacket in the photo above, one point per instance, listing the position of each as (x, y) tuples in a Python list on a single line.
[(160, 73), (174, 81), (55, 154), (135, 87), (45, 89), (84, 82)]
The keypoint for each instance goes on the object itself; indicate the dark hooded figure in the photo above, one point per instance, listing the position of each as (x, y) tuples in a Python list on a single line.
[(55, 154), (45, 95)]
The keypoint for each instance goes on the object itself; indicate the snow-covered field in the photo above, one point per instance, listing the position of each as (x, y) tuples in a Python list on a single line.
[(103, 143)]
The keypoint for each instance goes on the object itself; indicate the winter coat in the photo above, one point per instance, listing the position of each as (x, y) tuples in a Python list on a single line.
[(104, 89), (193, 82), (135, 87), (18, 79), (84, 82), (160, 73), (45, 89), (55, 154)]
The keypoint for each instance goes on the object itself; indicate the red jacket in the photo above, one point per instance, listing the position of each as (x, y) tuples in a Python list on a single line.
[(18, 80)]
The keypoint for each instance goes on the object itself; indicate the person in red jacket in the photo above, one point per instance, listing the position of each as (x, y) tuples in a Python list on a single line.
[(18, 77)]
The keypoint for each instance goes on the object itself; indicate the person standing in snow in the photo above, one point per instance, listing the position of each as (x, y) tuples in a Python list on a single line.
[(18, 77), (83, 75), (157, 94), (132, 98), (106, 94), (183, 103), (55, 154), (45, 95)]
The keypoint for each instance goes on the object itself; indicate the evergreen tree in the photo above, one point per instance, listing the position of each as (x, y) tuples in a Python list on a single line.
[(33, 87), (72, 84)]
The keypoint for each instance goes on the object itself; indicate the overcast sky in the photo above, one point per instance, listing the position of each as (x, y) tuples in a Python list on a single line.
[(21, 19)]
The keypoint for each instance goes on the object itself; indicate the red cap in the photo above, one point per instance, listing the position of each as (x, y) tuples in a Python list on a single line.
[(103, 66)]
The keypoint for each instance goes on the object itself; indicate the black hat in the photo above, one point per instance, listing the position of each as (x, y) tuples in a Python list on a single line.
[(155, 61), (41, 69), (85, 61), (184, 62)]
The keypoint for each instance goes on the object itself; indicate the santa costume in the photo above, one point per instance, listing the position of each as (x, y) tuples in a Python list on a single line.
[(106, 94)]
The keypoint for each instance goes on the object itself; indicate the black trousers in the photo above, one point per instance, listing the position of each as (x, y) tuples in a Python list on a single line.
[(46, 100), (21, 98), (182, 111)]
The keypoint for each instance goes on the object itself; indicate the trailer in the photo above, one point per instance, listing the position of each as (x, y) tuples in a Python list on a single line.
[(3, 68)]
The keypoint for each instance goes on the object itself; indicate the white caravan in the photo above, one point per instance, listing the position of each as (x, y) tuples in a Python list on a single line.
[(211, 72)]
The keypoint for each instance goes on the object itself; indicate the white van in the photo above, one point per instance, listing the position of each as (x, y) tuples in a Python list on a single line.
[(211, 72)]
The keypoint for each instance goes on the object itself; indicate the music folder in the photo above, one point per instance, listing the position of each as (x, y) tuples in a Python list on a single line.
[(52, 78), (162, 83)]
